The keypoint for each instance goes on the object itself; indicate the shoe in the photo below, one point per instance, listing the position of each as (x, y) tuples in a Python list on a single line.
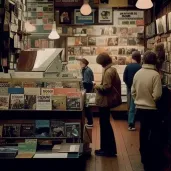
[(89, 126), (103, 153), (131, 128)]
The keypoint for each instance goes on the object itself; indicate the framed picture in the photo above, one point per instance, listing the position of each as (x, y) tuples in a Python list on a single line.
[(169, 21), (105, 15), (159, 26), (64, 17)]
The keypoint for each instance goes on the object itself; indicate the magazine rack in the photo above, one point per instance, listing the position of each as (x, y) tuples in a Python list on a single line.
[(24, 114)]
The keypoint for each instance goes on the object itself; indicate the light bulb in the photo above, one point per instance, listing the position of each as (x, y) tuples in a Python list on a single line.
[(29, 27), (54, 34), (85, 9), (144, 4)]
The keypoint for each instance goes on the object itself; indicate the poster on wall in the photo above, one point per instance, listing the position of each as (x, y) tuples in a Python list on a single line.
[(105, 15), (128, 18), (169, 21), (83, 19), (64, 17)]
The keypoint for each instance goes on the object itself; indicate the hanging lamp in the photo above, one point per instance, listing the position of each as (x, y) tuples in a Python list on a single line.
[(54, 34), (29, 27), (85, 9), (144, 4)]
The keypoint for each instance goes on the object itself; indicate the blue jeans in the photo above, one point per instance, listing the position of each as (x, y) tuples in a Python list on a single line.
[(132, 111)]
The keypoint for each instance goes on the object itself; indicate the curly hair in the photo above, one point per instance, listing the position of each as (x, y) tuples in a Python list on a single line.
[(104, 59)]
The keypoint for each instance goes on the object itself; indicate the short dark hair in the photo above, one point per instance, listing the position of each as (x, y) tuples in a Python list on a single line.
[(84, 61), (104, 59), (150, 58), (136, 56)]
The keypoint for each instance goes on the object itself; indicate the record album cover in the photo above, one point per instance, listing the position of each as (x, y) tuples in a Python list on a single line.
[(57, 128), (72, 130), (17, 101)]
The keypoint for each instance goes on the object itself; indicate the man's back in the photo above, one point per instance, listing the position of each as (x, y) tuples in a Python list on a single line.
[(147, 87)]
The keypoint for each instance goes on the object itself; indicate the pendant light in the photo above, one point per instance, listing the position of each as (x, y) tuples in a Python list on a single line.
[(85, 9), (144, 4), (54, 34)]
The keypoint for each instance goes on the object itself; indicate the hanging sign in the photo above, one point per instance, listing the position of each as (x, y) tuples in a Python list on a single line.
[(83, 19), (128, 18), (66, 3)]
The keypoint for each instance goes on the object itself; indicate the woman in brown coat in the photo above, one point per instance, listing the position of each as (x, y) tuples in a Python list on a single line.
[(108, 95)]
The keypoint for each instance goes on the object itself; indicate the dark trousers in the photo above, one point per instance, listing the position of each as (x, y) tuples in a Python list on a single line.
[(107, 138), (150, 148), (89, 115)]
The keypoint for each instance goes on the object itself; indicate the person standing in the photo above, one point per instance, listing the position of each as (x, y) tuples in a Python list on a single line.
[(87, 79), (108, 95), (146, 91), (128, 76)]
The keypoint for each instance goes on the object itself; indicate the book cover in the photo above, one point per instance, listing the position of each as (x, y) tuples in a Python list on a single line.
[(90, 98), (17, 101), (11, 130), (31, 91), (72, 130), (27, 130), (30, 102), (15, 90), (47, 91), (58, 102), (43, 102), (3, 90), (42, 128), (59, 91), (4, 102), (57, 128), (74, 100)]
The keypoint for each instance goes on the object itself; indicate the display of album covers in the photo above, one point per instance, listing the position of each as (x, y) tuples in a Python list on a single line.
[(4, 102), (159, 26), (84, 41), (122, 51), (57, 128), (86, 51), (101, 41), (105, 15), (64, 17), (72, 130), (77, 51), (70, 50), (123, 31), (93, 50), (164, 23), (92, 41), (169, 21), (121, 60), (122, 42), (17, 101), (132, 41), (112, 41), (115, 60), (113, 51)]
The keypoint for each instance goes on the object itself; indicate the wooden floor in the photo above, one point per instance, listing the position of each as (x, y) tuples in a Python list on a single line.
[(128, 158)]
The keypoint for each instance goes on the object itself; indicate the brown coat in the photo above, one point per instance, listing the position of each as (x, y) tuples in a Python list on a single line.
[(109, 92)]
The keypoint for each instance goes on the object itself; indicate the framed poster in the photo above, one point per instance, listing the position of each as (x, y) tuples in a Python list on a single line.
[(64, 17), (159, 26), (83, 19), (105, 15), (169, 21), (164, 24), (128, 18)]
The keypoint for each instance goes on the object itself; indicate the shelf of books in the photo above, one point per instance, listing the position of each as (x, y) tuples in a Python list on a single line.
[(41, 118)]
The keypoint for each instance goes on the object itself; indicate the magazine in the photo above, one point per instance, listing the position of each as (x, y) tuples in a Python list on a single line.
[(17, 101), (4, 102), (43, 103)]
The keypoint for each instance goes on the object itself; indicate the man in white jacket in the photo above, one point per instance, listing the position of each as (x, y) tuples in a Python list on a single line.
[(146, 90)]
